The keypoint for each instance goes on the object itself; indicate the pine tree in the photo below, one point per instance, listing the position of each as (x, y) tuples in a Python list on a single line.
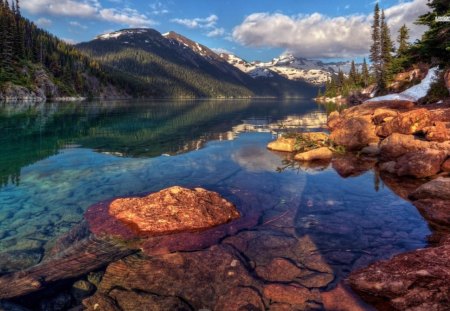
[(375, 49), (402, 40), (434, 45), (386, 50), (365, 73), (353, 74)]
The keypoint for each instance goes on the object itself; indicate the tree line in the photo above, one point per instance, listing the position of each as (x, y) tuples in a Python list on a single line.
[(386, 61)]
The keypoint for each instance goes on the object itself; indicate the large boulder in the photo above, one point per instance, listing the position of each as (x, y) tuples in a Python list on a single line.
[(282, 144), (447, 79), (406, 123), (438, 188), (397, 145), (420, 164), (416, 280), (173, 210), (438, 132), (355, 133), (446, 165), (436, 212), (320, 154)]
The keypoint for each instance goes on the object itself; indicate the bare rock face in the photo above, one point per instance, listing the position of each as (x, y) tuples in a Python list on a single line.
[(416, 280), (173, 210), (319, 154), (382, 115), (282, 144), (406, 123), (397, 145), (354, 133)]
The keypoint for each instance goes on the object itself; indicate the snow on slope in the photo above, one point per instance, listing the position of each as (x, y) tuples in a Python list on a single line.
[(413, 93), (290, 67)]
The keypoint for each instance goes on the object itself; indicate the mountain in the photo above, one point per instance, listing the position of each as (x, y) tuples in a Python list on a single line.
[(290, 67), (36, 65), (172, 65)]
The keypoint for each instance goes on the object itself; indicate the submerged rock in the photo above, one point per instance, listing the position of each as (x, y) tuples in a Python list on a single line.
[(173, 210), (416, 280)]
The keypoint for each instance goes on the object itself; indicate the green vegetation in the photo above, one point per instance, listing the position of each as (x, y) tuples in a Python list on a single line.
[(31, 56), (304, 144), (432, 49)]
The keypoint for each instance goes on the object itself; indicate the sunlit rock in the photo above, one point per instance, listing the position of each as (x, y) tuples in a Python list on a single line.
[(319, 154)]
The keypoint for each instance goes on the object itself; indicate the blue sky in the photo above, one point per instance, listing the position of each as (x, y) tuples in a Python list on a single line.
[(252, 29)]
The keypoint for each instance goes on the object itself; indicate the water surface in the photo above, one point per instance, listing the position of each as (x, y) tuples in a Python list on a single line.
[(56, 160)]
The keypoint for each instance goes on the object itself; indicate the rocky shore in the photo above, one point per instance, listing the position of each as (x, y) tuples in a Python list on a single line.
[(409, 145)]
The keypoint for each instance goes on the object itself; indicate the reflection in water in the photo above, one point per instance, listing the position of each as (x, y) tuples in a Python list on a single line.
[(321, 222)]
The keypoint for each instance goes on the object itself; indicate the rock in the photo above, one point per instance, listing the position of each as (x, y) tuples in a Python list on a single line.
[(240, 298), (368, 108), (354, 133), (100, 302), (406, 123), (342, 299), (333, 120), (200, 278), (322, 153), (282, 144), (436, 212), (62, 301), (351, 165), (420, 164), (82, 289), (381, 114), (438, 132), (290, 294), (371, 150), (446, 165), (279, 270), (397, 145), (95, 277), (315, 136), (415, 280), (173, 210), (447, 79), (438, 188)]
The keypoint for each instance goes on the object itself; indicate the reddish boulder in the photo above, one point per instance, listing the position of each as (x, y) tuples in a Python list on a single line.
[(438, 188), (436, 212), (173, 210), (438, 132), (381, 115), (447, 79), (446, 165), (290, 294), (406, 123), (416, 280), (333, 120), (397, 145), (420, 164), (355, 133)]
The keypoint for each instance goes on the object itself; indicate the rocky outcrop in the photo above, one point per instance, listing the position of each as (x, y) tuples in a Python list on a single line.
[(409, 122), (173, 210), (354, 133), (296, 141), (282, 144), (416, 280), (438, 188)]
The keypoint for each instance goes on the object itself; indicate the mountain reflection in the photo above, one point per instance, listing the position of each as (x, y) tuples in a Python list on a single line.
[(32, 132)]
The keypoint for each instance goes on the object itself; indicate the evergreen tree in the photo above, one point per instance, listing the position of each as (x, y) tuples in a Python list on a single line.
[(402, 40), (386, 56), (353, 75), (435, 43), (375, 49), (365, 74)]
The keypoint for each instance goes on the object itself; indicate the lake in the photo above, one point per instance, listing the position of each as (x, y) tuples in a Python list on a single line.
[(56, 160)]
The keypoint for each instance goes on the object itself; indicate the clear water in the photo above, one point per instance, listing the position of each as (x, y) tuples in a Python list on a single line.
[(56, 160)]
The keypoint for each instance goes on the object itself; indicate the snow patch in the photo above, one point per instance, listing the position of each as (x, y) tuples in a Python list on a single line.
[(413, 93)]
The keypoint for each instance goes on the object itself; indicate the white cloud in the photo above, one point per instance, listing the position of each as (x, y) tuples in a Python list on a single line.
[(217, 32), (77, 24), (91, 9), (69, 41), (321, 36), (208, 22), (158, 8), (44, 22)]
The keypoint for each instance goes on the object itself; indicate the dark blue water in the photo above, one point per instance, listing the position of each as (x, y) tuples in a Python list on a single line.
[(58, 159)]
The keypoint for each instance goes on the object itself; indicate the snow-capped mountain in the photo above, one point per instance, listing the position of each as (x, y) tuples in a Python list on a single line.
[(290, 67)]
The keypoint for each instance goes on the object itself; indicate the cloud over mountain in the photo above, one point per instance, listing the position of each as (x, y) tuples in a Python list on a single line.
[(318, 35)]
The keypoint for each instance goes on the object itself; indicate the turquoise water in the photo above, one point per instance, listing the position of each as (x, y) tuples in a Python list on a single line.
[(56, 160)]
